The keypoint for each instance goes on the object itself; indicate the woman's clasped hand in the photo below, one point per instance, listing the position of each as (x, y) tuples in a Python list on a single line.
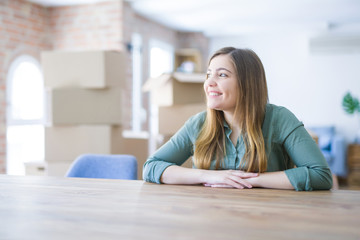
[(228, 178)]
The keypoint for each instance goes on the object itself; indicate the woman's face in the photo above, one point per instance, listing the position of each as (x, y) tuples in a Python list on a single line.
[(221, 84)]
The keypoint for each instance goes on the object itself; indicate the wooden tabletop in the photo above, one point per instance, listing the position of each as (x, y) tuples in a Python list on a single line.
[(69, 208)]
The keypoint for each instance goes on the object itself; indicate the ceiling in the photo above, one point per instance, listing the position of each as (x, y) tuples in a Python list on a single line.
[(218, 18)]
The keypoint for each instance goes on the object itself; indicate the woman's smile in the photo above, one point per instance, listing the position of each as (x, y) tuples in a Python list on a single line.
[(214, 94)]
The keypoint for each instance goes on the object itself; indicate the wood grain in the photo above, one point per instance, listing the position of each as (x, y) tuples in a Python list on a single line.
[(353, 157), (68, 208)]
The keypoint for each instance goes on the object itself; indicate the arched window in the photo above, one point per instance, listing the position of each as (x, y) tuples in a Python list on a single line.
[(25, 114)]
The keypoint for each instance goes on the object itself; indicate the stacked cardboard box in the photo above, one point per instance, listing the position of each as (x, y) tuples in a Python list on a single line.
[(90, 69), (84, 108), (176, 89), (178, 97), (172, 118)]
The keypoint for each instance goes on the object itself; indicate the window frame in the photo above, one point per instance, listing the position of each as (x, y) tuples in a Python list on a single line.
[(9, 87), (16, 164)]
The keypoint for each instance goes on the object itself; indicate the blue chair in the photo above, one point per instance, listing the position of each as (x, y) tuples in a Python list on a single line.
[(333, 147), (104, 166)]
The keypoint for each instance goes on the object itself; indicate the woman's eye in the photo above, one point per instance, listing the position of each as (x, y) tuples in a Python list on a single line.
[(222, 75), (208, 75)]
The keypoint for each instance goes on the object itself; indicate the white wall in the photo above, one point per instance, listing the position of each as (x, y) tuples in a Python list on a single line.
[(310, 85)]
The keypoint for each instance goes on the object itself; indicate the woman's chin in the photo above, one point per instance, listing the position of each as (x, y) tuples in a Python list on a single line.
[(214, 107)]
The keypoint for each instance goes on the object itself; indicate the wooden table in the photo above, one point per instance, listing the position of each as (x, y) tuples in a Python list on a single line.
[(64, 208)]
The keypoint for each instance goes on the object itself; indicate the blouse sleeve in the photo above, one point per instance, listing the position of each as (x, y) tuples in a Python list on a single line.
[(312, 171), (174, 152)]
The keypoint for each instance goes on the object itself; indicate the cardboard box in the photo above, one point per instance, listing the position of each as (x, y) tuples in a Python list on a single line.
[(66, 143), (176, 89), (84, 106), (172, 118), (86, 69), (63, 144), (138, 147)]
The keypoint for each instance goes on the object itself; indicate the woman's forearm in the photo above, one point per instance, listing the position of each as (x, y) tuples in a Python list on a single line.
[(277, 180), (181, 175)]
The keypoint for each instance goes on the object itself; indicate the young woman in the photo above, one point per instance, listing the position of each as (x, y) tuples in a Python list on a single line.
[(241, 141)]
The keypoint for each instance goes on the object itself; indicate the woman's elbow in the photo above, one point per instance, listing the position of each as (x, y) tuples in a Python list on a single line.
[(324, 180), (329, 180)]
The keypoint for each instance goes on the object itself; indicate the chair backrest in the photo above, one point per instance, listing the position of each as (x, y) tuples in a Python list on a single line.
[(109, 166)]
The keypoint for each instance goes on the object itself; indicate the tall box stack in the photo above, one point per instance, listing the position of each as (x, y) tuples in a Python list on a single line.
[(178, 97), (84, 108)]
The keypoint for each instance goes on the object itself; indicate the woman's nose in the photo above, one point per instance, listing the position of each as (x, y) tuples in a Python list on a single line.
[(210, 81)]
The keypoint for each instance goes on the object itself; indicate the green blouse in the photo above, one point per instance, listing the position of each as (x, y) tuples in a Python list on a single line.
[(287, 143)]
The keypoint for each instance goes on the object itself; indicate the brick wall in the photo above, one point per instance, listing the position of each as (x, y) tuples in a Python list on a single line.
[(87, 27), (27, 28), (23, 31)]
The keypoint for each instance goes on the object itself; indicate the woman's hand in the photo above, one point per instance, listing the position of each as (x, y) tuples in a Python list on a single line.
[(227, 178)]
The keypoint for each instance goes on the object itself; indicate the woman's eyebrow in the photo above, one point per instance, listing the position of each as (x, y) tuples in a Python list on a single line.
[(219, 69)]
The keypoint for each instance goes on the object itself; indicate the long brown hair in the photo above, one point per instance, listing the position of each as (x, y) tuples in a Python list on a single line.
[(249, 115)]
